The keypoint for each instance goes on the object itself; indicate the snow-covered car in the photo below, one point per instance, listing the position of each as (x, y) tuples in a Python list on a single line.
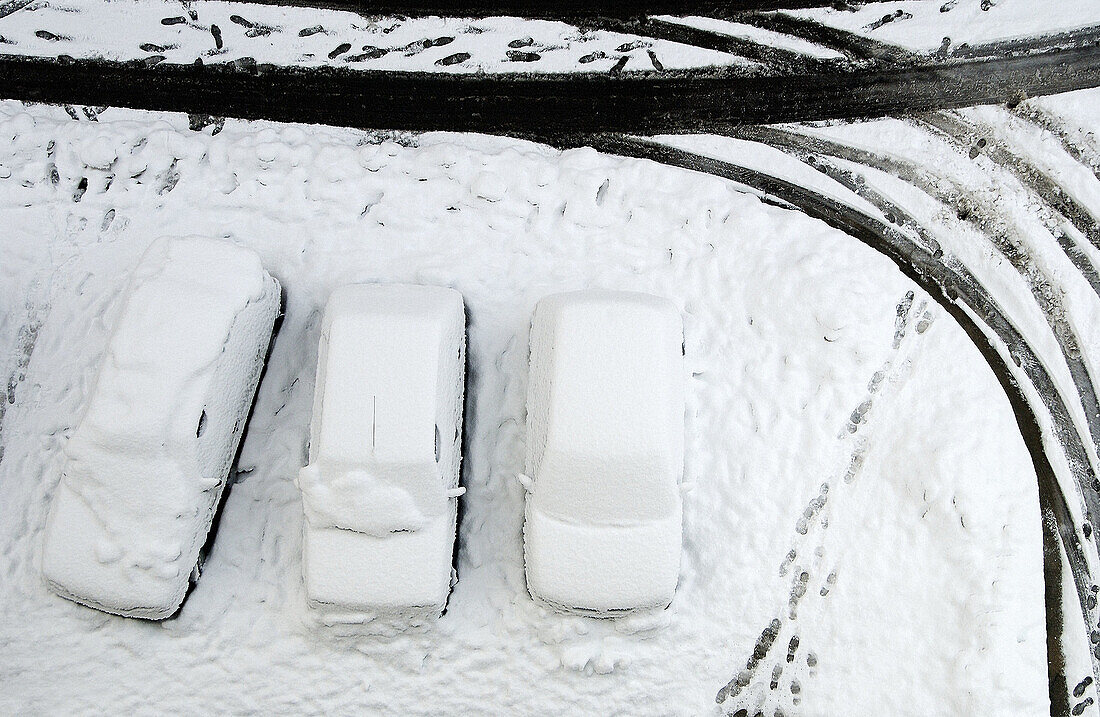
[(605, 452), (381, 487), (145, 468)]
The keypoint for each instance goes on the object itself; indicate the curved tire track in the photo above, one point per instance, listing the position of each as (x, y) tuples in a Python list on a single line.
[(774, 58), (856, 47), (1001, 237), (962, 296), (970, 136), (1079, 147)]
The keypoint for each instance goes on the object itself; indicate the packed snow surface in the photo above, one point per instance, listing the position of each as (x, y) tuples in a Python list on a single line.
[(215, 32), (147, 463), (385, 448), (923, 595), (605, 451), (921, 25)]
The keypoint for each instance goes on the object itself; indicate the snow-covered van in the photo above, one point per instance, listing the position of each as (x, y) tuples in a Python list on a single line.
[(380, 491), (605, 452), (146, 466)]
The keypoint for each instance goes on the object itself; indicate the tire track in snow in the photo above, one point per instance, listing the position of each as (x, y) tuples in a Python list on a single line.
[(557, 9), (1002, 236), (975, 139), (775, 58), (1058, 532), (533, 104), (857, 47), (861, 47), (1081, 37), (1006, 351), (757, 686), (12, 6), (1080, 149)]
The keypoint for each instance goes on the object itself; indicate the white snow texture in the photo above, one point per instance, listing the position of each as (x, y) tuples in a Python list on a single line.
[(923, 596)]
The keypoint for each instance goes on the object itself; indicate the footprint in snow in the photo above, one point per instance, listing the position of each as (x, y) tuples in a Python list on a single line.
[(453, 59), (519, 56)]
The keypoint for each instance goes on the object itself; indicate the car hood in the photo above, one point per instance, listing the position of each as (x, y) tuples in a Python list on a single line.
[(384, 575), (601, 569)]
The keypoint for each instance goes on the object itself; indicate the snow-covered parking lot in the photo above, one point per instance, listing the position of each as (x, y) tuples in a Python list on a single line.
[(864, 512)]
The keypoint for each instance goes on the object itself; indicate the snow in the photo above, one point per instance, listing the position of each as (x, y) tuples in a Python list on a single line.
[(1081, 107), (252, 35), (920, 25), (146, 465), (374, 502), (1005, 240), (357, 578), (768, 160), (385, 449), (786, 323), (1044, 151), (1073, 116), (311, 37), (214, 31), (764, 37), (605, 451)]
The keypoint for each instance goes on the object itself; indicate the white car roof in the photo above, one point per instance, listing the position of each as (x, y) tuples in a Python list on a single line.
[(383, 369), (605, 403), (182, 300)]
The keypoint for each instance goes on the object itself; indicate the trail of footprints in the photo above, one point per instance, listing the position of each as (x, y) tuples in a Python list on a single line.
[(523, 50), (772, 680), (1079, 692), (24, 347), (123, 170)]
